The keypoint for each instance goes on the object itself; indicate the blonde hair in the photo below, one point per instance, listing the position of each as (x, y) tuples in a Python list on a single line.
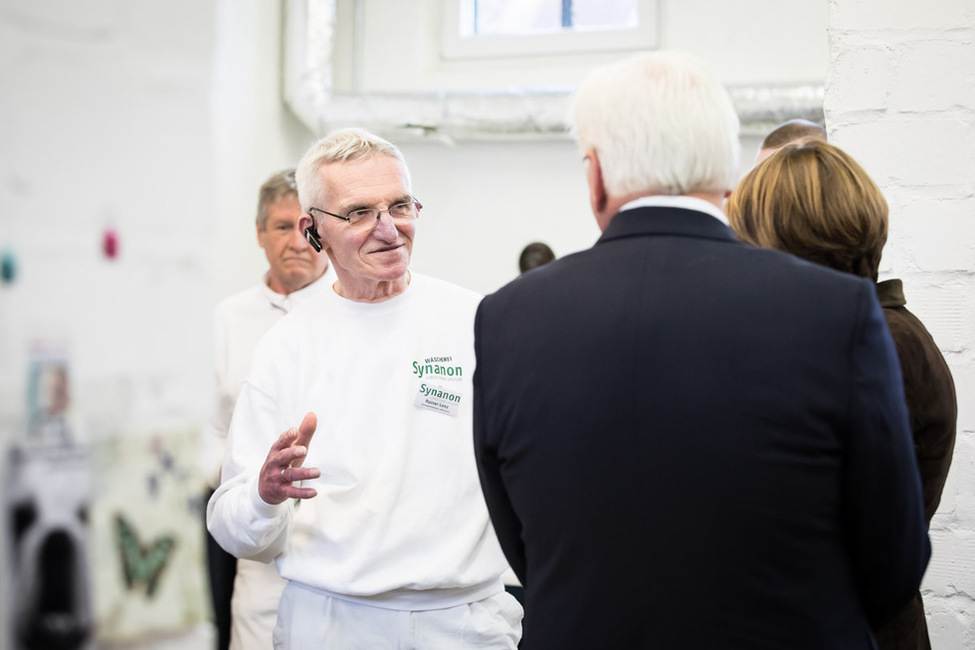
[(814, 201)]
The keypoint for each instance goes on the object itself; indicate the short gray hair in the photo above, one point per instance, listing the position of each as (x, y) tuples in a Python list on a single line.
[(339, 146), (660, 123), (275, 188)]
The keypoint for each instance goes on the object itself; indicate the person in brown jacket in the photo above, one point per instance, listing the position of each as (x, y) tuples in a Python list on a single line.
[(813, 200)]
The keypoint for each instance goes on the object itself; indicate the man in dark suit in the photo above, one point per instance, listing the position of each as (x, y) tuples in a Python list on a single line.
[(685, 441)]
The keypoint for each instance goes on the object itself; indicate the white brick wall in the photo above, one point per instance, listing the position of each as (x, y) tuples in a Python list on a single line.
[(900, 97)]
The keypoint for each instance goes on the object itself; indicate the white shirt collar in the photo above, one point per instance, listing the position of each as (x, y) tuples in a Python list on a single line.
[(686, 202), (287, 302)]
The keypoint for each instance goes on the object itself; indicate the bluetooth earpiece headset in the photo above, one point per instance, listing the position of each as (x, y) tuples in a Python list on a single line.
[(311, 236)]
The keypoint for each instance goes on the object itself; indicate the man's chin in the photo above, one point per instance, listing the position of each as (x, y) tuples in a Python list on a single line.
[(296, 280), (390, 273)]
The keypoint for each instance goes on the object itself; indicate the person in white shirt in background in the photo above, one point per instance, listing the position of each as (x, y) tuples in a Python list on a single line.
[(379, 523), (246, 620)]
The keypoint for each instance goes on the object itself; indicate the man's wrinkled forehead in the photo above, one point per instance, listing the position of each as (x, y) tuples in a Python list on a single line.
[(343, 177), (327, 167)]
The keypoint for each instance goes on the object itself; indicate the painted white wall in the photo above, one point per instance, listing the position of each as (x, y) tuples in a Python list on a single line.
[(105, 123), (900, 97), (253, 134)]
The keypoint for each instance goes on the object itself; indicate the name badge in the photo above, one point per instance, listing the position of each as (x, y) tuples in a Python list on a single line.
[(437, 398)]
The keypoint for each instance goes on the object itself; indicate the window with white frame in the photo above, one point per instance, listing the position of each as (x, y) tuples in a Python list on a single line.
[(409, 88), (511, 28)]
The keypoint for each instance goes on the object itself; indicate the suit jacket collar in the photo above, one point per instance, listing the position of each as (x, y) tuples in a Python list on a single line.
[(642, 222)]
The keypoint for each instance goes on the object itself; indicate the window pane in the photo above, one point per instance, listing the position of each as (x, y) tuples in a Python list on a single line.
[(517, 16), (522, 17), (618, 14)]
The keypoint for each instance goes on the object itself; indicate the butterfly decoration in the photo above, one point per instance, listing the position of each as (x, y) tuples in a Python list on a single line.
[(142, 564), (165, 466)]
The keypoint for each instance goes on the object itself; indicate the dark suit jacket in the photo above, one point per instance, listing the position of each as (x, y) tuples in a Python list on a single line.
[(688, 442)]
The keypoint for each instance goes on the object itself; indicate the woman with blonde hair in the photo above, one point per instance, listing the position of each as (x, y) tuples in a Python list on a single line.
[(813, 200)]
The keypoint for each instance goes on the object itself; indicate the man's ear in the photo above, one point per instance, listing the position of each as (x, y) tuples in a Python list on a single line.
[(598, 197), (304, 221), (261, 234)]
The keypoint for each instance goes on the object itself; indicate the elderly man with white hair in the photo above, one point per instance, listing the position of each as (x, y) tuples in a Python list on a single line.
[(685, 441), (369, 500)]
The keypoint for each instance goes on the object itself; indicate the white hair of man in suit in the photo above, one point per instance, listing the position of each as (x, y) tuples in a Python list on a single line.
[(657, 123)]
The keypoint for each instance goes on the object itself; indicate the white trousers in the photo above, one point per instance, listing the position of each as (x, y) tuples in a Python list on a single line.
[(254, 606), (309, 620)]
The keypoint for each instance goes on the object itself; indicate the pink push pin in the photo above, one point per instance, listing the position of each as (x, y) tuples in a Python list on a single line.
[(110, 243)]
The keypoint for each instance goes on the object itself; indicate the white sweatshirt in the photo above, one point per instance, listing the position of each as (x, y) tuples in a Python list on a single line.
[(399, 520)]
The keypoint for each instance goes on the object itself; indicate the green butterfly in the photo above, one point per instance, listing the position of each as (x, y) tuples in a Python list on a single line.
[(142, 564)]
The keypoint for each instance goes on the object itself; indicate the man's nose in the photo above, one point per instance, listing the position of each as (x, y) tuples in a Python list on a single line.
[(385, 229)]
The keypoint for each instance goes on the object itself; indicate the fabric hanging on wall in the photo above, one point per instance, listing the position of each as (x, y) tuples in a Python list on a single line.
[(148, 551)]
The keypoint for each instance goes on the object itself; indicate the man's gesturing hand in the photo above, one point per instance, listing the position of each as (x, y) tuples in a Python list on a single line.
[(283, 465)]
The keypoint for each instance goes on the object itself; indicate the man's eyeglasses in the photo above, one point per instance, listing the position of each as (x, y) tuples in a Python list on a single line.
[(363, 218)]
